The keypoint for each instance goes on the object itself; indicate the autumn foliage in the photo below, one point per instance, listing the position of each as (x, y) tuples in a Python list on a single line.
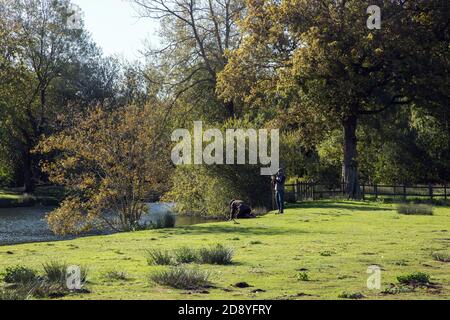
[(109, 162)]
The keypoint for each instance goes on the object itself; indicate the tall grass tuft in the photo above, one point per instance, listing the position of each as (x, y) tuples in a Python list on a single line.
[(185, 255), (182, 278), (415, 209), (217, 254), (158, 257), (442, 256), (55, 272)]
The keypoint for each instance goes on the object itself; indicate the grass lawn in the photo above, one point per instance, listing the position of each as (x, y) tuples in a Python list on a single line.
[(332, 242)]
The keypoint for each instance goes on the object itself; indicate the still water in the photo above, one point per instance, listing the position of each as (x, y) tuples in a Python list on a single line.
[(24, 225)]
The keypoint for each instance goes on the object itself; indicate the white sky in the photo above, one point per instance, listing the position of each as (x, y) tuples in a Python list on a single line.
[(115, 27)]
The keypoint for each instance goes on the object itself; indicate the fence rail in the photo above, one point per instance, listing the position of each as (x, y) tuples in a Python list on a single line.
[(301, 191)]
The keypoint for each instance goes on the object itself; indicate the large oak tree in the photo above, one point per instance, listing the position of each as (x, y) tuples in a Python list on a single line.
[(323, 68)]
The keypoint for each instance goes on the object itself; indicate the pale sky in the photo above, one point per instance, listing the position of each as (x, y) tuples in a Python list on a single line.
[(116, 28)]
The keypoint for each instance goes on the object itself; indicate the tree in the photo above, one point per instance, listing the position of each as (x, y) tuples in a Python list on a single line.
[(324, 69), (109, 163), (49, 63), (196, 35)]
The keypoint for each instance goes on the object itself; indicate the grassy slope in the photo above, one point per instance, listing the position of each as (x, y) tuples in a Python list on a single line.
[(356, 234)]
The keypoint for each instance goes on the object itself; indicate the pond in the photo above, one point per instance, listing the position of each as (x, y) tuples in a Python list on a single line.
[(25, 225)]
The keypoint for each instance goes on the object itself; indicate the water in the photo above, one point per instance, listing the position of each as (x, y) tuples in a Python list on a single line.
[(25, 225)]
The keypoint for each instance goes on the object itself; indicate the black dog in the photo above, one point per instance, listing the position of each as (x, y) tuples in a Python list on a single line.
[(240, 210)]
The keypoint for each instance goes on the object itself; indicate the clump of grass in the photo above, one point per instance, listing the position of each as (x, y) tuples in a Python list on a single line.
[(19, 275), (158, 257), (182, 278), (415, 279), (397, 289), (326, 253), (14, 295), (185, 255), (115, 275), (442, 256), (55, 272), (415, 209), (351, 295), (217, 254), (303, 276)]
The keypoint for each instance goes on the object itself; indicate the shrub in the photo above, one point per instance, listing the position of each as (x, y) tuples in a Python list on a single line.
[(217, 254), (442, 256), (157, 257), (414, 279), (182, 278), (19, 274), (415, 209), (185, 255), (165, 221)]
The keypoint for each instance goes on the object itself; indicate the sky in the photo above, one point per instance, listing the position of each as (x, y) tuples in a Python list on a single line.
[(116, 27)]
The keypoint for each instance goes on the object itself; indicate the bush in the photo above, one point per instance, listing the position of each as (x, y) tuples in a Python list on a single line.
[(415, 279), (165, 221), (157, 257), (415, 209), (185, 255), (442, 256), (19, 275), (217, 254), (182, 278)]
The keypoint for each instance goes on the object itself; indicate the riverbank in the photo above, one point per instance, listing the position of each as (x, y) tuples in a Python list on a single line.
[(315, 251), (43, 196)]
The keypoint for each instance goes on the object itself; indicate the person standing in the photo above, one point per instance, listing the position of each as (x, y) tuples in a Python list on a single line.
[(280, 181)]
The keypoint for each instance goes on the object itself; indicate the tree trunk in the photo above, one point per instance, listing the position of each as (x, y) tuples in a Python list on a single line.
[(350, 166), (28, 171), (230, 108)]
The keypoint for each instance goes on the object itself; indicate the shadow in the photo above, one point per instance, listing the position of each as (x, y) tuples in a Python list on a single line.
[(345, 205), (241, 230)]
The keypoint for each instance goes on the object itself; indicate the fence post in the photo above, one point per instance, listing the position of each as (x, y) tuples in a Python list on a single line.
[(404, 191), (445, 191), (430, 188), (296, 191), (364, 191), (312, 191), (376, 191)]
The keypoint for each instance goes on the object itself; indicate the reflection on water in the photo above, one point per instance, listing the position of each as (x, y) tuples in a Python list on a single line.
[(22, 225)]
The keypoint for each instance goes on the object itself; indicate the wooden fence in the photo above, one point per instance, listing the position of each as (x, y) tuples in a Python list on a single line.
[(302, 191)]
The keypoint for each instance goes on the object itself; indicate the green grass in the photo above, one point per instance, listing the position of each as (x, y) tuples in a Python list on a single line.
[(333, 242)]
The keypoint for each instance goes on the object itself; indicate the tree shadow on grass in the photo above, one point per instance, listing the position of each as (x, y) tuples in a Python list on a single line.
[(250, 231), (357, 206)]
